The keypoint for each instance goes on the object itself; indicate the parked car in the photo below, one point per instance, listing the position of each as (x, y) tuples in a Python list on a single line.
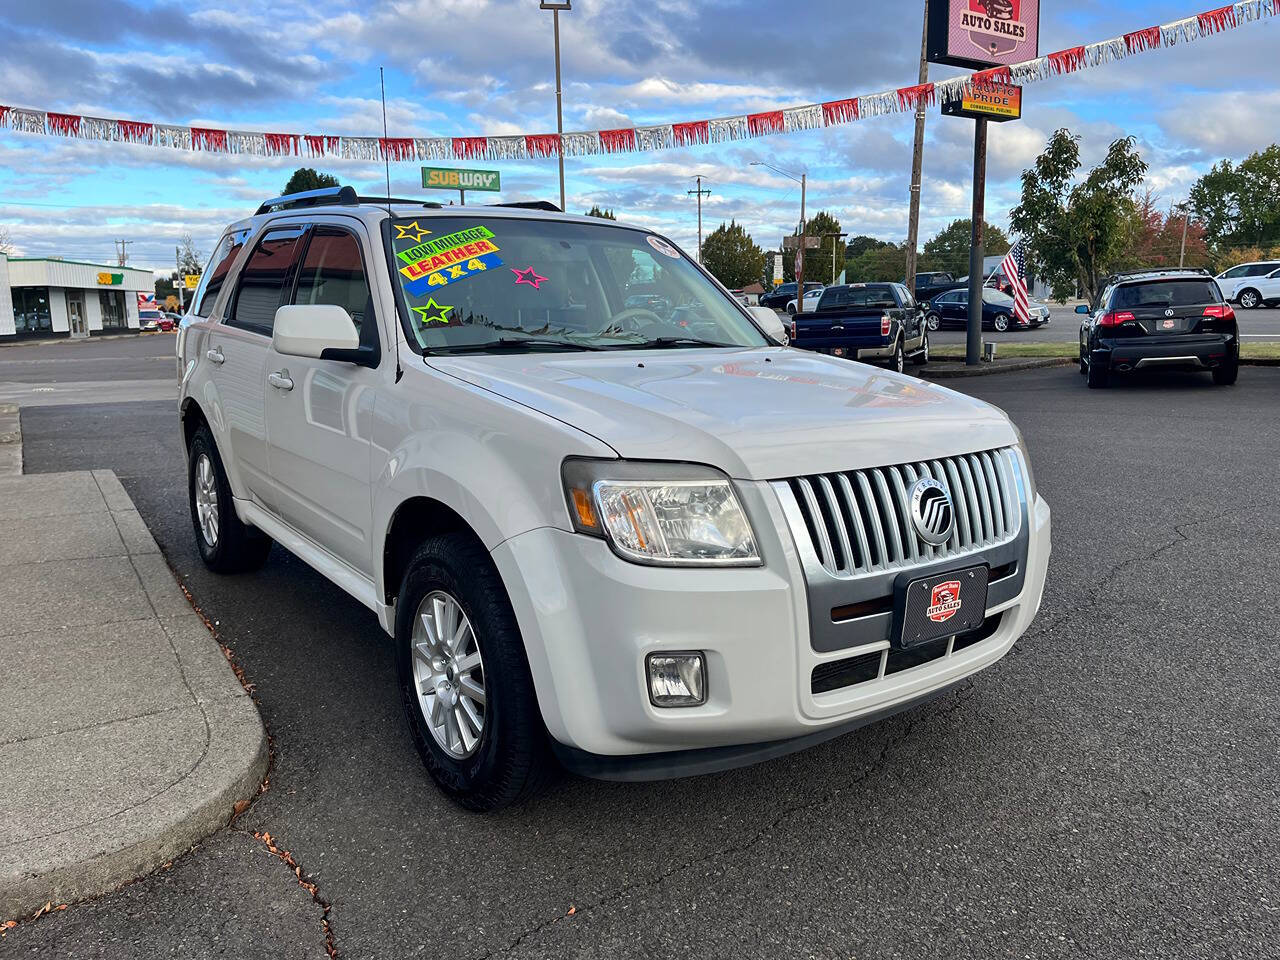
[(1258, 291), (875, 322), (1242, 283), (598, 538), (810, 301), (154, 321), (777, 297), (952, 310), (931, 283), (1166, 318)]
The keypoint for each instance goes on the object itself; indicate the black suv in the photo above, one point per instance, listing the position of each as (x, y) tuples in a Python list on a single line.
[(781, 295), (1165, 318)]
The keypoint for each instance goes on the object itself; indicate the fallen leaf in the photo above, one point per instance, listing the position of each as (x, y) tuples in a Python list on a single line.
[(572, 910)]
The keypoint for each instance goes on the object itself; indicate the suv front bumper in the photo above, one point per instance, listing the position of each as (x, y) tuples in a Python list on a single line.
[(589, 619)]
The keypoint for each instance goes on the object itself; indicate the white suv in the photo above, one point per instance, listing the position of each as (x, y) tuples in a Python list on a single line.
[(639, 541), (1250, 284)]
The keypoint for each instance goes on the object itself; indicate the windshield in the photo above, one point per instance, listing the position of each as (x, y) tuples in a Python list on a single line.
[(482, 282), (996, 297)]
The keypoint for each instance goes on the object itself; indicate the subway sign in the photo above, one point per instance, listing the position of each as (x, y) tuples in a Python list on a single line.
[(445, 178)]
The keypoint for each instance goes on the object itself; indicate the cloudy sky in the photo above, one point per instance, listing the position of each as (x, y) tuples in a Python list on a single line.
[(458, 67)]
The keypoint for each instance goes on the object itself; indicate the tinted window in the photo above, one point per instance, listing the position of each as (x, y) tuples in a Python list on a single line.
[(833, 297), (262, 282), (1262, 269), (215, 275), (879, 297), (1235, 272), (333, 273), (952, 297), (1166, 293), (904, 296)]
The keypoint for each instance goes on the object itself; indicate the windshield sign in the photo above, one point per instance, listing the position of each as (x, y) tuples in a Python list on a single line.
[(479, 283)]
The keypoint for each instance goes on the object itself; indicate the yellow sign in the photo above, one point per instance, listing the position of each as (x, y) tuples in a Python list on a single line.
[(110, 279), (191, 280), (991, 101)]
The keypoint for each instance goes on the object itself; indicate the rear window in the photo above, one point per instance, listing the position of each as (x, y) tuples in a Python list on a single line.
[(1165, 293)]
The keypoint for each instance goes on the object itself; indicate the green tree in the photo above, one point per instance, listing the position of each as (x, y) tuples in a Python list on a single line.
[(886, 263), (305, 178), (1240, 205), (732, 256), (596, 211), (860, 244), (949, 250), (1076, 229), (817, 262)]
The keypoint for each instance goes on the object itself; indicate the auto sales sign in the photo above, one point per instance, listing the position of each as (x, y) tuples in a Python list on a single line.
[(983, 33)]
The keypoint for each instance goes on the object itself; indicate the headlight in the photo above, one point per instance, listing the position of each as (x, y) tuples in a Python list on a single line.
[(1024, 461), (667, 514)]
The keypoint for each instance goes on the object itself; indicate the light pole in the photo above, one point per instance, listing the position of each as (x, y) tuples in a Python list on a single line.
[(803, 180), (555, 9), (835, 243), (701, 193), (1184, 208)]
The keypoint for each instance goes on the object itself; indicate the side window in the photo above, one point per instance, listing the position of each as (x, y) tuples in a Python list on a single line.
[(215, 275), (333, 273), (1260, 269), (908, 301), (263, 280)]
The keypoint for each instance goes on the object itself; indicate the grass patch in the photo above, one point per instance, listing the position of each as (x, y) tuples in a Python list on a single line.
[(1250, 350)]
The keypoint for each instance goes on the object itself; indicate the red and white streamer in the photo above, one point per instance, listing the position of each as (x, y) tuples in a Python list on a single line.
[(537, 146)]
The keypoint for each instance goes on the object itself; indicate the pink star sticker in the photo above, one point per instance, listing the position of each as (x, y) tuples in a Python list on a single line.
[(529, 276)]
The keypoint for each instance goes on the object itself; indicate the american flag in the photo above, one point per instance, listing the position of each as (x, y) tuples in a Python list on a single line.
[(1014, 268)]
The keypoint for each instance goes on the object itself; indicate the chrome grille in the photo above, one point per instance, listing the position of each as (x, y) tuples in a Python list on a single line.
[(860, 522)]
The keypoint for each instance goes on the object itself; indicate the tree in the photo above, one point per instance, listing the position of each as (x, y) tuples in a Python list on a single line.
[(1076, 229), (949, 250), (6, 240), (596, 211), (305, 178), (1154, 238), (188, 256), (817, 262), (886, 263), (860, 245), (732, 256), (1240, 205)]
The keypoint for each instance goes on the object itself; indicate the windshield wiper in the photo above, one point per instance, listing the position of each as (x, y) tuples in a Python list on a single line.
[(658, 343), (510, 343)]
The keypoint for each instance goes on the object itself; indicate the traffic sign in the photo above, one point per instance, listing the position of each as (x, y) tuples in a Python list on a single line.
[(810, 243)]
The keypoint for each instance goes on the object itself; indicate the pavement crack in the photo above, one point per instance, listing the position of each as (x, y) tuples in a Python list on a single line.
[(326, 908)]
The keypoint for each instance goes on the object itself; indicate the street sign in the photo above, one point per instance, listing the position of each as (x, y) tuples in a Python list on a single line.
[(810, 243), (978, 34), (777, 269), (191, 280), (446, 178), (997, 102), (800, 262)]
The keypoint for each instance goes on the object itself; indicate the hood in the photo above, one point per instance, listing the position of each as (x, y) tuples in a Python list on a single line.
[(757, 414)]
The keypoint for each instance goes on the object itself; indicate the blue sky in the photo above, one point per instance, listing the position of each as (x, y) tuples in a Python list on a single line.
[(485, 66)]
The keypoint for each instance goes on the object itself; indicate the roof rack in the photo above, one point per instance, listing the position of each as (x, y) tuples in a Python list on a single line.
[(383, 201), (1155, 272), (346, 196), (546, 205)]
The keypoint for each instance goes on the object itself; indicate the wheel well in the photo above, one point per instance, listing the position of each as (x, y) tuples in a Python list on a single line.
[(193, 419), (414, 521)]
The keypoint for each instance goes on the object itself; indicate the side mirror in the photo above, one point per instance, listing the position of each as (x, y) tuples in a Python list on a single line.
[(308, 330), (1082, 308), (770, 323)]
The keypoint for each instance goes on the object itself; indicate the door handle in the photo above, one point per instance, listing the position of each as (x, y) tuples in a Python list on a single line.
[(215, 355), (280, 380)]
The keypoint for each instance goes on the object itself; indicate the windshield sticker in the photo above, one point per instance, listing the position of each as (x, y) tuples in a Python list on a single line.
[(432, 312), (422, 251), (445, 268), (530, 277), (664, 248), (410, 231)]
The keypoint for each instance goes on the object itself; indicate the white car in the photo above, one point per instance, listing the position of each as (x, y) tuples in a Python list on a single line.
[(638, 546), (810, 302), (1244, 283)]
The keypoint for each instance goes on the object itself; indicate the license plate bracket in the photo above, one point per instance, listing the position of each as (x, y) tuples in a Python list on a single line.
[(938, 605)]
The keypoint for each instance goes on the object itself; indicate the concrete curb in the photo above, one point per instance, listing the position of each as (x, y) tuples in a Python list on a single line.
[(944, 370), (152, 752), (10, 440)]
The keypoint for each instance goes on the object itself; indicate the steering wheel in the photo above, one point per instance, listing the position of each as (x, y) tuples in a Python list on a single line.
[(630, 320)]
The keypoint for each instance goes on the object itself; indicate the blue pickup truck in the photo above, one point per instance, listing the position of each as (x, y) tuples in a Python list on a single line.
[(875, 322)]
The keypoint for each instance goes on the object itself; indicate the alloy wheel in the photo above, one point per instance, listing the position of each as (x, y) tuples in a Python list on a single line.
[(448, 674), (1248, 299), (1001, 323), (206, 492), (934, 321)]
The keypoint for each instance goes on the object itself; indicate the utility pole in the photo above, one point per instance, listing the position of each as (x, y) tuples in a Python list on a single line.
[(700, 194), (804, 179), (1182, 250), (555, 9), (917, 162), (122, 255), (835, 246)]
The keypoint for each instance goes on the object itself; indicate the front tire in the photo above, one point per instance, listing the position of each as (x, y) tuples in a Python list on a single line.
[(464, 680), (1250, 299), (226, 544), (1001, 323)]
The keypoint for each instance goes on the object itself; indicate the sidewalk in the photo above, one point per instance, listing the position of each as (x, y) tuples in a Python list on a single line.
[(124, 736)]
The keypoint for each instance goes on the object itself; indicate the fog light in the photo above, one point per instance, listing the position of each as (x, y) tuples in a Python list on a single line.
[(676, 679)]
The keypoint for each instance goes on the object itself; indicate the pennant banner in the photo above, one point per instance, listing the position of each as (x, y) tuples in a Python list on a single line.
[(537, 146)]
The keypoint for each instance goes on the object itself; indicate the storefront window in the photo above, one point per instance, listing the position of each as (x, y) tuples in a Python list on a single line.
[(112, 303), (31, 310)]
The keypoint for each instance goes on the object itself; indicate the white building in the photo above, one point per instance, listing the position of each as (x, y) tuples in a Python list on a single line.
[(65, 297)]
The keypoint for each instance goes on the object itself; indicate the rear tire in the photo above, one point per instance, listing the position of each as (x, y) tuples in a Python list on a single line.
[(921, 356), (933, 321), (1099, 376), (1250, 299), (1084, 365), (1227, 374), (226, 544), (509, 760), (899, 357)]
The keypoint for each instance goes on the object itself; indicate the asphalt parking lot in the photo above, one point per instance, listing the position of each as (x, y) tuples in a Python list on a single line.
[(1109, 789)]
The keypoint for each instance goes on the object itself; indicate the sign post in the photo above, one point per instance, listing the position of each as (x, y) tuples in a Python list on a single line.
[(447, 178)]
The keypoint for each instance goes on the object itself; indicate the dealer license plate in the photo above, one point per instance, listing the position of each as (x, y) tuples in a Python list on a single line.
[(943, 605)]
